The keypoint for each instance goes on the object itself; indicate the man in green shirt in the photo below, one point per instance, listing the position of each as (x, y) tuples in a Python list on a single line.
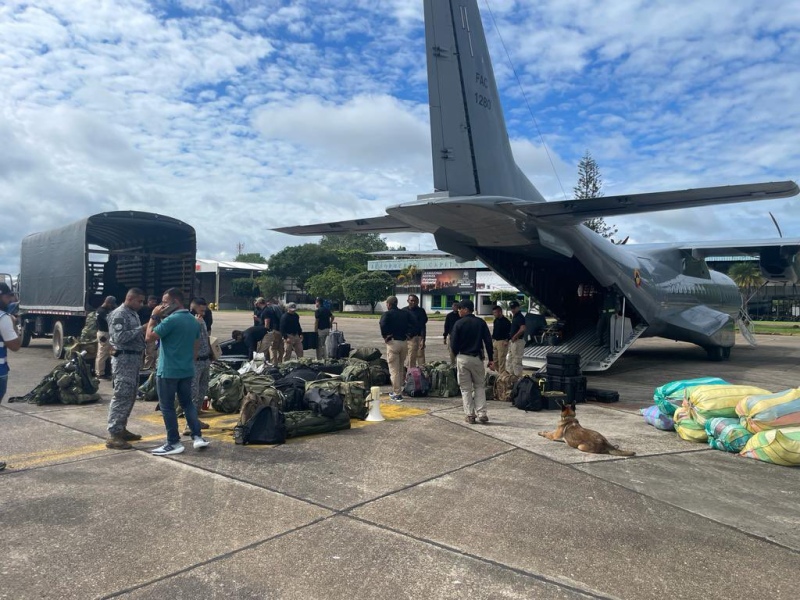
[(179, 333)]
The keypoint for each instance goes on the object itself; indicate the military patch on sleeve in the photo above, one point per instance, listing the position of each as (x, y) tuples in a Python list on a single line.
[(118, 326)]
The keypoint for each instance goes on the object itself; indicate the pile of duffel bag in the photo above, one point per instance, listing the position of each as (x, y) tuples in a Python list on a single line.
[(743, 419), (277, 404), (367, 366), (71, 382)]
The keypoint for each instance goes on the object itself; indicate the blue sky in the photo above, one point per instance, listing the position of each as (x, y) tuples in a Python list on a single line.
[(244, 115)]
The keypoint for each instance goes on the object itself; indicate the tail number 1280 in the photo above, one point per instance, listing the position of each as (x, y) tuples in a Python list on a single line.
[(483, 101)]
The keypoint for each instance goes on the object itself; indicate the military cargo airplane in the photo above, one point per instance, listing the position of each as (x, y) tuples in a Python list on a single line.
[(484, 207)]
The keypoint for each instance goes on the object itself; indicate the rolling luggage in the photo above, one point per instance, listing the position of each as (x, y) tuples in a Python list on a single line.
[(335, 337)]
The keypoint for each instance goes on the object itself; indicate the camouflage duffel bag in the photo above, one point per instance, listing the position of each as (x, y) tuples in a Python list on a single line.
[(256, 383), (226, 392), (354, 393), (305, 422)]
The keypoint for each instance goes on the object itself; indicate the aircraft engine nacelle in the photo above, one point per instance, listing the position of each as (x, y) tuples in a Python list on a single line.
[(780, 264)]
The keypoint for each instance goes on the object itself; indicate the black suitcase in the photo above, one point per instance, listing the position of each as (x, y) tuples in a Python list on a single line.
[(343, 350), (310, 340)]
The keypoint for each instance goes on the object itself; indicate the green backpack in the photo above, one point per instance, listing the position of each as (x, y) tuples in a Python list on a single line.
[(444, 381), (358, 370), (255, 383), (226, 392)]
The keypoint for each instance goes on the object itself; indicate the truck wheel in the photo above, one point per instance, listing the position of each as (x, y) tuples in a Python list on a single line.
[(26, 335), (58, 340)]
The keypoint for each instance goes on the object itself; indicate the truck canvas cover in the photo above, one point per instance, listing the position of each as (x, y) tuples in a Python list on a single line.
[(144, 250)]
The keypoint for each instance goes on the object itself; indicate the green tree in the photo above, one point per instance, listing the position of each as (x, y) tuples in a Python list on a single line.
[(746, 275), (590, 184), (300, 263), (365, 242), (270, 287), (352, 249), (369, 287), (328, 284), (244, 287), (503, 297), (251, 257)]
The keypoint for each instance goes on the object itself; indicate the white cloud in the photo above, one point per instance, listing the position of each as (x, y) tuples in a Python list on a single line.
[(239, 116)]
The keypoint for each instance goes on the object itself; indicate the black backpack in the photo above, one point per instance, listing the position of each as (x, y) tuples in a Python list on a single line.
[(526, 394), (266, 426), (293, 389), (324, 402)]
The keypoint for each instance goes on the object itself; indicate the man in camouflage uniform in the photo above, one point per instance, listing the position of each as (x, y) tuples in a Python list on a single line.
[(127, 337)]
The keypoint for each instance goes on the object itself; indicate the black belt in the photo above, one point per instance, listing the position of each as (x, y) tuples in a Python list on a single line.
[(501, 340), (204, 357), (468, 354), (129, 351)]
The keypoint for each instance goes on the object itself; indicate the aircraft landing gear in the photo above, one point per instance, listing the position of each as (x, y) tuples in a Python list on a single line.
[(718, 353)]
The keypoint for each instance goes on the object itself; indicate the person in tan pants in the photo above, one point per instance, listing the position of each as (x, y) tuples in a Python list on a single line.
[(292, 333), (103, 337), (396, 327), (501, 333)]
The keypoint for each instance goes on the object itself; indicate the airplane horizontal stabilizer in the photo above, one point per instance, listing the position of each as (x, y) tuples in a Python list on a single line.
[(752, 248), (575, 211), (382, 224)]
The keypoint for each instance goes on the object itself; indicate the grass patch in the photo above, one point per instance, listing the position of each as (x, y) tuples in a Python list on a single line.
[(776, 327)]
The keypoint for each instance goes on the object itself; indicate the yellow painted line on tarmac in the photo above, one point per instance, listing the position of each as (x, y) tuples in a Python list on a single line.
[(221, 429), (391, 412)]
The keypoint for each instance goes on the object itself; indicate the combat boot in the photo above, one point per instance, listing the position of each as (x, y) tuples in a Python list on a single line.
[(130, 437), (117, 442)]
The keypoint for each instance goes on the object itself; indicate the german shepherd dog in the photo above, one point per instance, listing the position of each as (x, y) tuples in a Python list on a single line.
[(585, 440)]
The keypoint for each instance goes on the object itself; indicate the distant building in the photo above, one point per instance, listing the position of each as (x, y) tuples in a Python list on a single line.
[(439, 279), (213, 281)]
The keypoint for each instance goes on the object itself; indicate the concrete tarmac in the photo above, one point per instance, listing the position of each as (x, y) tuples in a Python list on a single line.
[(421, 505)]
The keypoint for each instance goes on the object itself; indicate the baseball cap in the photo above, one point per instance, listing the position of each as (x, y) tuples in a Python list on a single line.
[(513, 304), (4, 289), (467, 304), (259, 300), (291, 306)]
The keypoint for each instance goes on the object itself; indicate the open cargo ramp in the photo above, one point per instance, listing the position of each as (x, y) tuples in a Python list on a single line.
[(593, 357)]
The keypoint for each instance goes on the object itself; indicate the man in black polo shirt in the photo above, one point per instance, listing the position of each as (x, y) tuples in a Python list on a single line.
[(323, 319), (501, 333), (468, 340), (291, 332), (416, 343), (396, 328), (449, 321), (516, 346)]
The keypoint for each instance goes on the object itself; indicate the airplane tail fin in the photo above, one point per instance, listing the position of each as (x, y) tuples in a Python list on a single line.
[(470, 145)]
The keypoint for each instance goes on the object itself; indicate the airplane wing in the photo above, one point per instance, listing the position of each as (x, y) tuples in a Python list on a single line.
[(576, 211), (383, 224)]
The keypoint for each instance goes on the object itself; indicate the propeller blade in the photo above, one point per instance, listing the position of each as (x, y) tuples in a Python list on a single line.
[(780, 234)]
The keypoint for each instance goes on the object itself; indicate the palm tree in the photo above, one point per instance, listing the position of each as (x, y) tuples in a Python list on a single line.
[(747, 276)]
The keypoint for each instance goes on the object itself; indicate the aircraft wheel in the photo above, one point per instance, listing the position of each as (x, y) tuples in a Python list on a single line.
[(726, 353), (715, 353), (58, 340)]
